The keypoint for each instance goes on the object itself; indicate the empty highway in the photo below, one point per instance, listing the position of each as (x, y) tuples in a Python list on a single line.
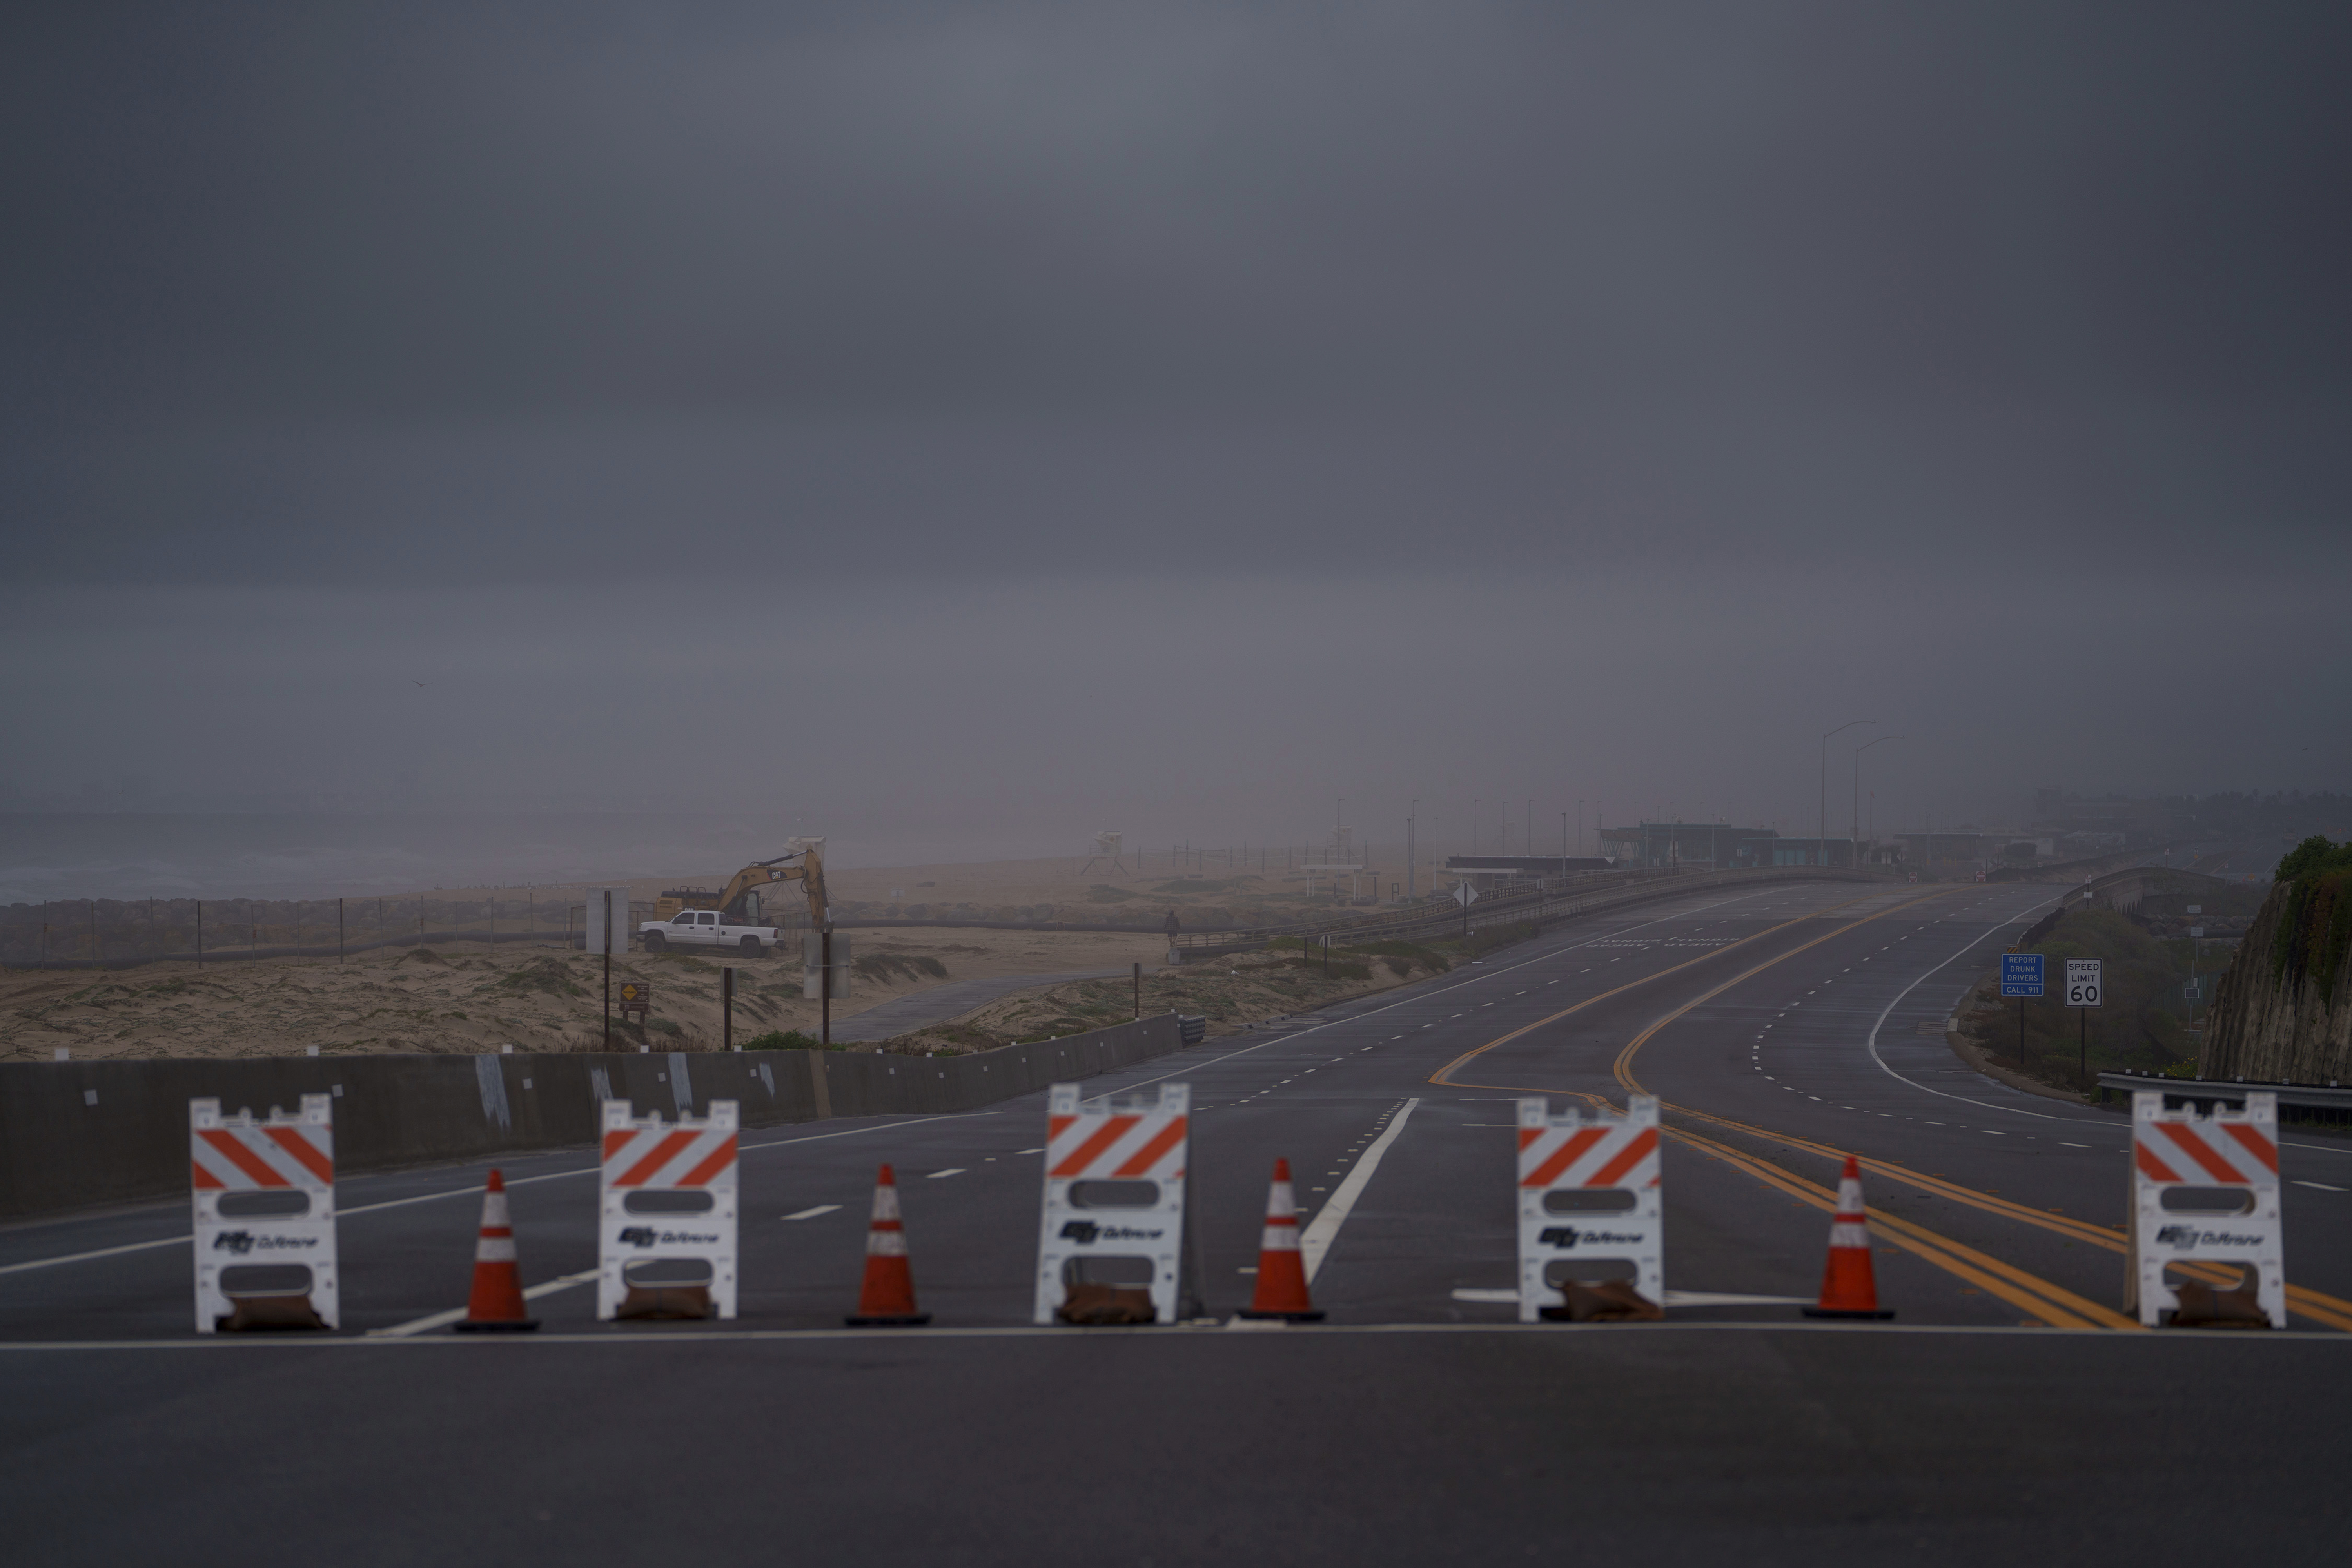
[(2008, 1408)]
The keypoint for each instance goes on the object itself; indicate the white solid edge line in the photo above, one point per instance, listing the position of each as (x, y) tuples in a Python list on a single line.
[(232, 1342), (1317, 1240), (1987, 1105), (439, 1319), (462, 1192), (1888, 1011)]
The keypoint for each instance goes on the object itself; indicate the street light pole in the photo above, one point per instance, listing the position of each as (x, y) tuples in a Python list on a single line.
[(1857, 778), (1821, 844), (1410, 892)]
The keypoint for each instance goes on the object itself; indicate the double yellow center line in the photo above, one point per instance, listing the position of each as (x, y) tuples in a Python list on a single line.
[(2045, 1300)]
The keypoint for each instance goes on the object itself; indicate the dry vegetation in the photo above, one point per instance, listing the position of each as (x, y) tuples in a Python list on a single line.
[(470, 999), (1234, 994)]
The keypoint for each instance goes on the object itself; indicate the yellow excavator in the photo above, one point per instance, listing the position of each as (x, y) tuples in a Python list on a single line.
[(803, 861)]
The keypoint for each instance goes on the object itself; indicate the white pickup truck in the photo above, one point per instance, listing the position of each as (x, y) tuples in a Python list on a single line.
[(705, 928)]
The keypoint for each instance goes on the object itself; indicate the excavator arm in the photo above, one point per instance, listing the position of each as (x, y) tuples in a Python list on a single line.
[(803, 861)]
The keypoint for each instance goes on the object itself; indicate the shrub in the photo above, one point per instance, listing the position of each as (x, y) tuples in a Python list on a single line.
[(783, 1040)]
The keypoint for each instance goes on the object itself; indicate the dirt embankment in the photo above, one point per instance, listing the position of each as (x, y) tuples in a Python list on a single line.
[(466, 999), (1234, 994)]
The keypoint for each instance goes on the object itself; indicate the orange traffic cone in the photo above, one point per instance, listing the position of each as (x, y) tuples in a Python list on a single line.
[(1849, 1290), (1281, 1271), (496, 1306), (888, 1298)]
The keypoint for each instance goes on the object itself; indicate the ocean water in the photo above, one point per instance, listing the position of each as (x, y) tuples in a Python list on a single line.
[(281, 855)]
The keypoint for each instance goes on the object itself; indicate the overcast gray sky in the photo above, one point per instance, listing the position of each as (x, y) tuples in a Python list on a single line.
[(967, 427)]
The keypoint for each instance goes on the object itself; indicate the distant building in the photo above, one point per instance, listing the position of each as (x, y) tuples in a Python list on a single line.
[(1525, 865), (1655, 846)]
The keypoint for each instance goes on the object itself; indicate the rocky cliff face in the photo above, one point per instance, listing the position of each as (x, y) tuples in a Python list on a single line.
[(2283, 1011)]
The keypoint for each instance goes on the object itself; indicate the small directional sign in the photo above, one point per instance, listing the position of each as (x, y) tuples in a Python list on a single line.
[(2083, 982), (2020, 975)]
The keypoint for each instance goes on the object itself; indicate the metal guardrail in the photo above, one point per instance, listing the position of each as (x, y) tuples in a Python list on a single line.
[(2328, 1096)]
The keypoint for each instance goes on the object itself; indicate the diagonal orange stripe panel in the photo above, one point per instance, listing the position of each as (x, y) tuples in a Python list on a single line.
[(243, 1159), (664, 1153), (290, 1138), (1643, 1145), (1113, 1128), (2193, 1146), (1149, 1155), (720, 1158), (2154, 1169), (1543, 1176), (2255, 1144)]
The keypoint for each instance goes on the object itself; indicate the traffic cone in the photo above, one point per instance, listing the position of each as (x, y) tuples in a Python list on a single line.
[(1281, 1271), (888, 1296), (496, 1305), (1849, 1290)]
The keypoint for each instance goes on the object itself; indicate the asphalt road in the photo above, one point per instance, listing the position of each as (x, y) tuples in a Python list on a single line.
[(1781, 1027)]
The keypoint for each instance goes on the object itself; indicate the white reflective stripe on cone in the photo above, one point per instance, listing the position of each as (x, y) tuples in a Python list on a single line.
[(495, 1249), (493, 1211), (885, 1243), (885, 1202)]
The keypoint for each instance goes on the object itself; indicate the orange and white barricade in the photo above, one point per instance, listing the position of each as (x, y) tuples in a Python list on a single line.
[(1590, 1203), (667, 1210), (1114, 1211), (265, 1217), (2205, 1189)]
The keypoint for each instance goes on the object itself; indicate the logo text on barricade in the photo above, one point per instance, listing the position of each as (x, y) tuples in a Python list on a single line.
[(264, 1193), (666, 1219), (1590, 1204), (2205, 1191), (1114, 1204)]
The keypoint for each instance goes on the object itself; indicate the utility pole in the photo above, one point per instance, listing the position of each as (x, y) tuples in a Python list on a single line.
[(1410, 890), (608, 960), (1821, 844)]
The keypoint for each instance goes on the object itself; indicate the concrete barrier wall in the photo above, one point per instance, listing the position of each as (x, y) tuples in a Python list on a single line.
[(76, 1134)]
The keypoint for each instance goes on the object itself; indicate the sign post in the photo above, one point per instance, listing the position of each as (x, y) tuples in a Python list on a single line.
[(2020, 976), (1465, 895), (2084, 984)]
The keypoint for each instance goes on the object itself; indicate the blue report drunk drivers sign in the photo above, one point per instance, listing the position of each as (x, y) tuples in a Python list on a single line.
[(2020, 975)]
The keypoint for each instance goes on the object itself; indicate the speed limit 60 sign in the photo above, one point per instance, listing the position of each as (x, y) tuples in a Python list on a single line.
[(2082, 982)]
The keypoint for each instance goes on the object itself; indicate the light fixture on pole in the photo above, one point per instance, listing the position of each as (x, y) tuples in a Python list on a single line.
[(1821, 844)]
